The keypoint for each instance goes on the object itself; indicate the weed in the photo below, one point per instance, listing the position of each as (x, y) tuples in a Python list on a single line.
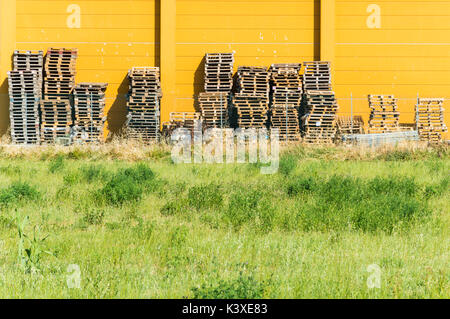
[(178, 236), (339, 203), (205, 196), (143, 230), (173, 207), (127, 185), (30, 248), (242, 287), (7, 223), (18, 192), (245, 205), (93, 216), (10, 170), (72, 178), (288, 163), (56, 164), (300, 185), (90, 173)]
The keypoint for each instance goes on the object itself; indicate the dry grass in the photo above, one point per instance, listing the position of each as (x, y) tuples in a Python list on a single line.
[(133, 151)]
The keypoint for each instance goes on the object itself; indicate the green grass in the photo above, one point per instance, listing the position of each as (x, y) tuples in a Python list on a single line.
[(152, 229)]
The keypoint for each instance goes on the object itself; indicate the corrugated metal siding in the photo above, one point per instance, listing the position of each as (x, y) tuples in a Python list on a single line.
[(260, 32), (408, 55), (114, 36)]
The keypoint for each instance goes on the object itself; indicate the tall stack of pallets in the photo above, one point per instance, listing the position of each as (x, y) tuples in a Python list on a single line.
[(251, 100), (430, 119), (25, 92), (60, 72), (319, 104), (24, 96), (218, 84), (143, 103), (59, 80), (89, 111), (286, 83), (384, 116)]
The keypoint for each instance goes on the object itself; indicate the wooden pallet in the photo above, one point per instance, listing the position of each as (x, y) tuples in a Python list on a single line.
[(143, 103), (348, 125), (317, 76)]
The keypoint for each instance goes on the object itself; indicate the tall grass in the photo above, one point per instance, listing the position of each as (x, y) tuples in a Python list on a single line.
[(145, 228)]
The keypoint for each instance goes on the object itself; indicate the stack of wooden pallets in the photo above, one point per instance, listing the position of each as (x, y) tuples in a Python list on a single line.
[(384, 117), (214, 109), (286, 83), (25, 90), (143, 103), (218, 84), (348, 125), (319, 104), (219, 72), (60, 71), (317, 76), (56, 119), (319, 122), (89, 112), (430, 119), (251, 102)]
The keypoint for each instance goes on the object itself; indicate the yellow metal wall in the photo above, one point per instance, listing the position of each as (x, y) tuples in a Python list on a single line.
[(408, 55), (261, 32), (114, 35)]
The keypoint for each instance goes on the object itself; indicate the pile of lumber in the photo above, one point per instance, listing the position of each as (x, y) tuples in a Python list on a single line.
[(144, 103), (218, 84), (317, 76), (319, 122), (60, 71), (286, 83), (430, 119), (384, 116), (347, 125), (251, 100), (56, 120), (89, 112), (24, 97)]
